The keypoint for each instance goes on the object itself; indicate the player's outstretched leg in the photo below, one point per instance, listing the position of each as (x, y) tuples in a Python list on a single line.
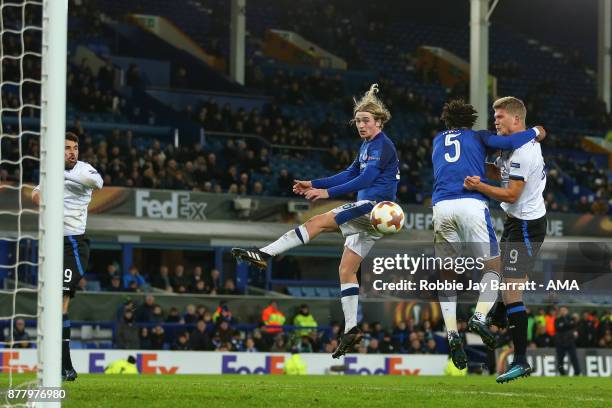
[(456, 350), (301, 235), (477, 323), (252, 256), (516, 370), (497, 316), (349, 289)]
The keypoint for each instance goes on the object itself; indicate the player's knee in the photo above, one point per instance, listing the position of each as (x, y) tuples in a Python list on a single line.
[(346, 271), (321, 223)]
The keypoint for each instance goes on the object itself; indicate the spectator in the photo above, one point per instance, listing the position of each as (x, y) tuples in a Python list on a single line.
[(272, 318), (415, 346), (373, 346), (180, 282), (157, 338), (400, 336), (284, 183), (157, 316), (198, 275), (224, 332), (174, 316), (214, 281), (565, 341), (144, 312), (229, 288), (145, 340), (279, 345), (386, 345), (115, 284), (162, 281), (21, 338), (127, 333), (541, 338), (587, 332), (182, 342), (249, 345), (190, 316), (431, 346), (260, 342), (200, 288), (304, 319), (133, 276), (222, 313), (106, 278), (304, 345), (200, 340)]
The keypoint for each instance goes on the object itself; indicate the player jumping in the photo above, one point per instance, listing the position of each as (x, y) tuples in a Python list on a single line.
[(523, 179), (374, 175), (462, 216), (80, 179)]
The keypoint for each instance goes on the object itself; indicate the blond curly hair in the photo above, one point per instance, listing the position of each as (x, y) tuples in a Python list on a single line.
[(369, 102)]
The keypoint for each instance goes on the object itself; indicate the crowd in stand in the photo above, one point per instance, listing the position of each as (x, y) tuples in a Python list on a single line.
[(231, 170), (555, 326), (148, 326), (179, 281)]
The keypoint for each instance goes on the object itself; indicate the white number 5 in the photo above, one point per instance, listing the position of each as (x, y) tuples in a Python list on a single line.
[(448, 141)]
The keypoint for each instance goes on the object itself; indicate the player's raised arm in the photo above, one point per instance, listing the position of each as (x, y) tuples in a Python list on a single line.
[(514, 141), (507, 195), (87, 176), (344, 176), (360, 182)]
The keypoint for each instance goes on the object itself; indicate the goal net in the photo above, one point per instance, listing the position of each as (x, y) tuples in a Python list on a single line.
[(32, 124)]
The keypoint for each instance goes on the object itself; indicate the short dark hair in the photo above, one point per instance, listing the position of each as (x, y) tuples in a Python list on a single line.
[(458, 114), (72, 137)]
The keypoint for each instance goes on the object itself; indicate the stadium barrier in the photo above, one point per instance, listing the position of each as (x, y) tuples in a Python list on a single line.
[(190, 206), (193, 362), (593, 362)]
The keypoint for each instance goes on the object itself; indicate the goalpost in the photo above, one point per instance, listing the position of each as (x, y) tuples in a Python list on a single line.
[(51, 223), (19, 20)]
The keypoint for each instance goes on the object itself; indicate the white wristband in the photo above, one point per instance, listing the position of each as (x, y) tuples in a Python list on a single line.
[(537, 131)]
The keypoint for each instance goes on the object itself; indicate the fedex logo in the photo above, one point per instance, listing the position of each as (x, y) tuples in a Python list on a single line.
[(144, 362), (273, 365), (10, 363), (391, 367)]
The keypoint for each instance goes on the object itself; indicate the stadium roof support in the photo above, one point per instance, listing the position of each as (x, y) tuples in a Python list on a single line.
[(237, 40), (604, 48), (479, 58)]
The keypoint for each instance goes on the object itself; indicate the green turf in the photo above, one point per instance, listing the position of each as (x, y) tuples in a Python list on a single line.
[(325, 391)]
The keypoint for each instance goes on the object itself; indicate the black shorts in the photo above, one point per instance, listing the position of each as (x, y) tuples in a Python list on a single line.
[(76, 257), (520, 244)]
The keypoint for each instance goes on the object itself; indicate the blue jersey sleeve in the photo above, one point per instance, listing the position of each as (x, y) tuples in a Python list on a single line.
[(360, 182), (506, 142), (343, 177)]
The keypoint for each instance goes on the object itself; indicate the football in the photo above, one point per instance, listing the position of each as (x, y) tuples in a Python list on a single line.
[(387, 217)]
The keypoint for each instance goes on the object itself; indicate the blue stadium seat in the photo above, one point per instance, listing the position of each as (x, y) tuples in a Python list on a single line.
[(295, 291), (309, 291)]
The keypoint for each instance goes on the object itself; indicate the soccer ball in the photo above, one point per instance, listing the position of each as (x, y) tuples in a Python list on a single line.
[(387, 217)]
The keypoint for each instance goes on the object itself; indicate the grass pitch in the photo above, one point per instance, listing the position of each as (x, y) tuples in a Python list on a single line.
[(97, 390)]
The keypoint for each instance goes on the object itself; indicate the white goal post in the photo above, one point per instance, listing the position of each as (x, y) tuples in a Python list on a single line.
[(53, 127)]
